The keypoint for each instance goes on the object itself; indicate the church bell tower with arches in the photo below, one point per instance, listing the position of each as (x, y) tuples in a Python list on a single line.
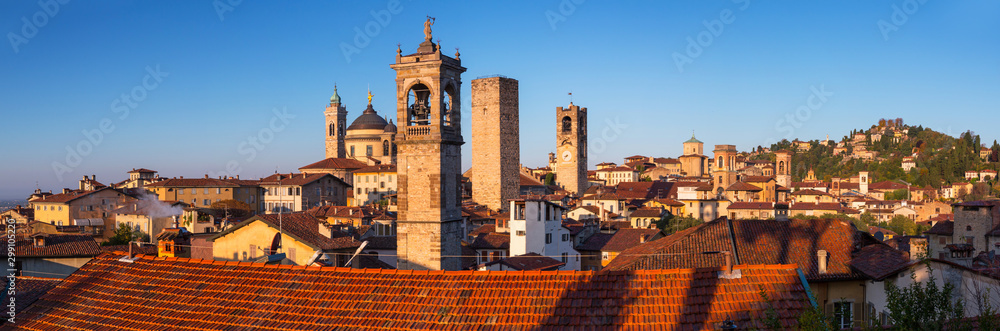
[(429, 159)]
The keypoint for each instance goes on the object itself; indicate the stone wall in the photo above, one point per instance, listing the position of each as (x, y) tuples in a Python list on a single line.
[(495, 141)]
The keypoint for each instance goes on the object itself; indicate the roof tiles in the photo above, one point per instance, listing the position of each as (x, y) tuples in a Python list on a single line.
[(185, 294)]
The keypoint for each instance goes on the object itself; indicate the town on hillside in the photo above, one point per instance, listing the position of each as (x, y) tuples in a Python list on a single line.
[(388, 231)]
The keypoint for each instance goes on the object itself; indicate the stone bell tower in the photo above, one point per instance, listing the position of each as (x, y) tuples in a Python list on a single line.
[(571, 155), (336, 121), (429, 159)]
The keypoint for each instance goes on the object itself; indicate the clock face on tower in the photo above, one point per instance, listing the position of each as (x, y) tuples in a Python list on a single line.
[(566, 156)]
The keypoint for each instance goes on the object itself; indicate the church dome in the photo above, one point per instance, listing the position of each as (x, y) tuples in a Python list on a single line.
[(369, 120), (390, 127)]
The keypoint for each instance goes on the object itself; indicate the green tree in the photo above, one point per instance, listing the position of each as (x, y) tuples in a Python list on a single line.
[(125, 234), (920, 306), (900, 194), (902, 225), (550, 179), (673, 223)]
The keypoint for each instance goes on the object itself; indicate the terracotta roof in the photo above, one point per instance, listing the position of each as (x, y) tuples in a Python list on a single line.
[(193, 182), (644, 190), (618, 241), (143, 207), (616, 169), (753, 242), (73, 195), (140, 170), (669, 202), (530, 261), (741, 186), (301, 227), (757, 179), (336, 163), (818, 206), (377, 168), (809, 192), (150, 250), (347, 212), (529, 181), (106, 293), (297, 179), (945, 228), (485, 228), (885, 186), (57, 245), (28, 289), (666, 160), (756, 205), (880, 261), (647, 212), (492, 240)]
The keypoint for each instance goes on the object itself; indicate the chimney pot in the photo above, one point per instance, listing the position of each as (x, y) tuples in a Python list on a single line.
[(821, 256)]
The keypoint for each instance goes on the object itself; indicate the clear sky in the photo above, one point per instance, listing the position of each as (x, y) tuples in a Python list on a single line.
[(200, 78)]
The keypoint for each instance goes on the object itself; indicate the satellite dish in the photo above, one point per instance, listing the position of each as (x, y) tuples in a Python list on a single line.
[(879, 236), (316, 256), (275, 244)]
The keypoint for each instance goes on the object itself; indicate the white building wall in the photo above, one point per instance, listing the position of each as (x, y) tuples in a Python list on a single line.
[(537, 227)]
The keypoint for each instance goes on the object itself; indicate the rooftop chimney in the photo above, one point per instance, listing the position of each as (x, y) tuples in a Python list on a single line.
[(822, 257)]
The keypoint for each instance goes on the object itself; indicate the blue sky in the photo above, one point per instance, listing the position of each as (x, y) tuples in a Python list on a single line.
[(223, 74)]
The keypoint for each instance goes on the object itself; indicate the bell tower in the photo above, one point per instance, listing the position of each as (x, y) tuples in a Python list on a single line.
[(429, 159), (336, 121), (783, 168), (571, 149)]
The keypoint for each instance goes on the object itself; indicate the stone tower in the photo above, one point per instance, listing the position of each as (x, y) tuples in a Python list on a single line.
[(429, 158), (336, 123), (724, 172), (496, 145), (693, 161), (783, 168), (571, 148), (863, 182)]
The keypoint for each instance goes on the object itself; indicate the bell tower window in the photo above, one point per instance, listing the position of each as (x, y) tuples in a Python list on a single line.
[(418, 105), (567, 124)]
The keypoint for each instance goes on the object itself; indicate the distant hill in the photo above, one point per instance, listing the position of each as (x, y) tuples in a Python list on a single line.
[(940, 158), (8, 204)]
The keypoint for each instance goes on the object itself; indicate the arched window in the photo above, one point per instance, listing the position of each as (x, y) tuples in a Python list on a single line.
[(447, 115), (332, 129), (418, 105), (385, 147), (722, 162), (393, 149), (567, 124), (781, 167)]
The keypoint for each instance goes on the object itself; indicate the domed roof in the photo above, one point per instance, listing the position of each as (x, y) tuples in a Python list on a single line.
[(369, 120), (693, 140), (391, 127)]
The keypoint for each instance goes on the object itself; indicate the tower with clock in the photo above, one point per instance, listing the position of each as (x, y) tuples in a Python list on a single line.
[(571, 149)]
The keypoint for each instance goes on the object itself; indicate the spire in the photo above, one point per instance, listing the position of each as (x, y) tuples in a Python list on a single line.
[(336, 97)]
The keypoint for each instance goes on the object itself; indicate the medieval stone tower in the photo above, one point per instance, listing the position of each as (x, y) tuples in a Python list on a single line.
[(724, 172), (336, 123), (429, 159), (496, 145), (783, 168), (571, 148)]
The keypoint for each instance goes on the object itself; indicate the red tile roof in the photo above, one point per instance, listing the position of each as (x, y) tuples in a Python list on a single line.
[(301, 227), (885, 186), (193, 182), (753, 242), (336, 163), (28, 289), (944, 228), (648, 212), (186, 294), (530, 261), (377, 168), (757, 179), (617, 169), (756, 205), (297, 179), (618, 241), (880, 261), (491, 240), (809, 192), (57, 245), (140, 170), (72, 195), (741, 186)]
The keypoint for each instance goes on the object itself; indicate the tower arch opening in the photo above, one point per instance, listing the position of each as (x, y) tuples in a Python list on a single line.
[(418, 105)]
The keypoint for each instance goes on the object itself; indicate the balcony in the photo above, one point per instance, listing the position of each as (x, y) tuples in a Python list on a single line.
[(418, 130)]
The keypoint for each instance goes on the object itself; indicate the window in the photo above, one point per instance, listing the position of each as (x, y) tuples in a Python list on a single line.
[(180, 191), (352, 151), (968, 228), (605, 256), (206, 190), (565, 237), (519, 233), (385, 147), (368, 150), (60, 208), (565, 257), (842, 312), (548, 238), (298, 191), (381, 184), (941, 241), (204, 202)]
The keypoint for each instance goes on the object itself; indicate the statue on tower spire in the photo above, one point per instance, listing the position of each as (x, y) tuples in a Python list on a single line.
[(427, 28)]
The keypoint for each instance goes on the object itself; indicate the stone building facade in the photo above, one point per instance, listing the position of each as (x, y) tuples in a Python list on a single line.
[(428, 87), (496, 145), (693, 161), (724, 172), (783, 164), (571, 140)]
